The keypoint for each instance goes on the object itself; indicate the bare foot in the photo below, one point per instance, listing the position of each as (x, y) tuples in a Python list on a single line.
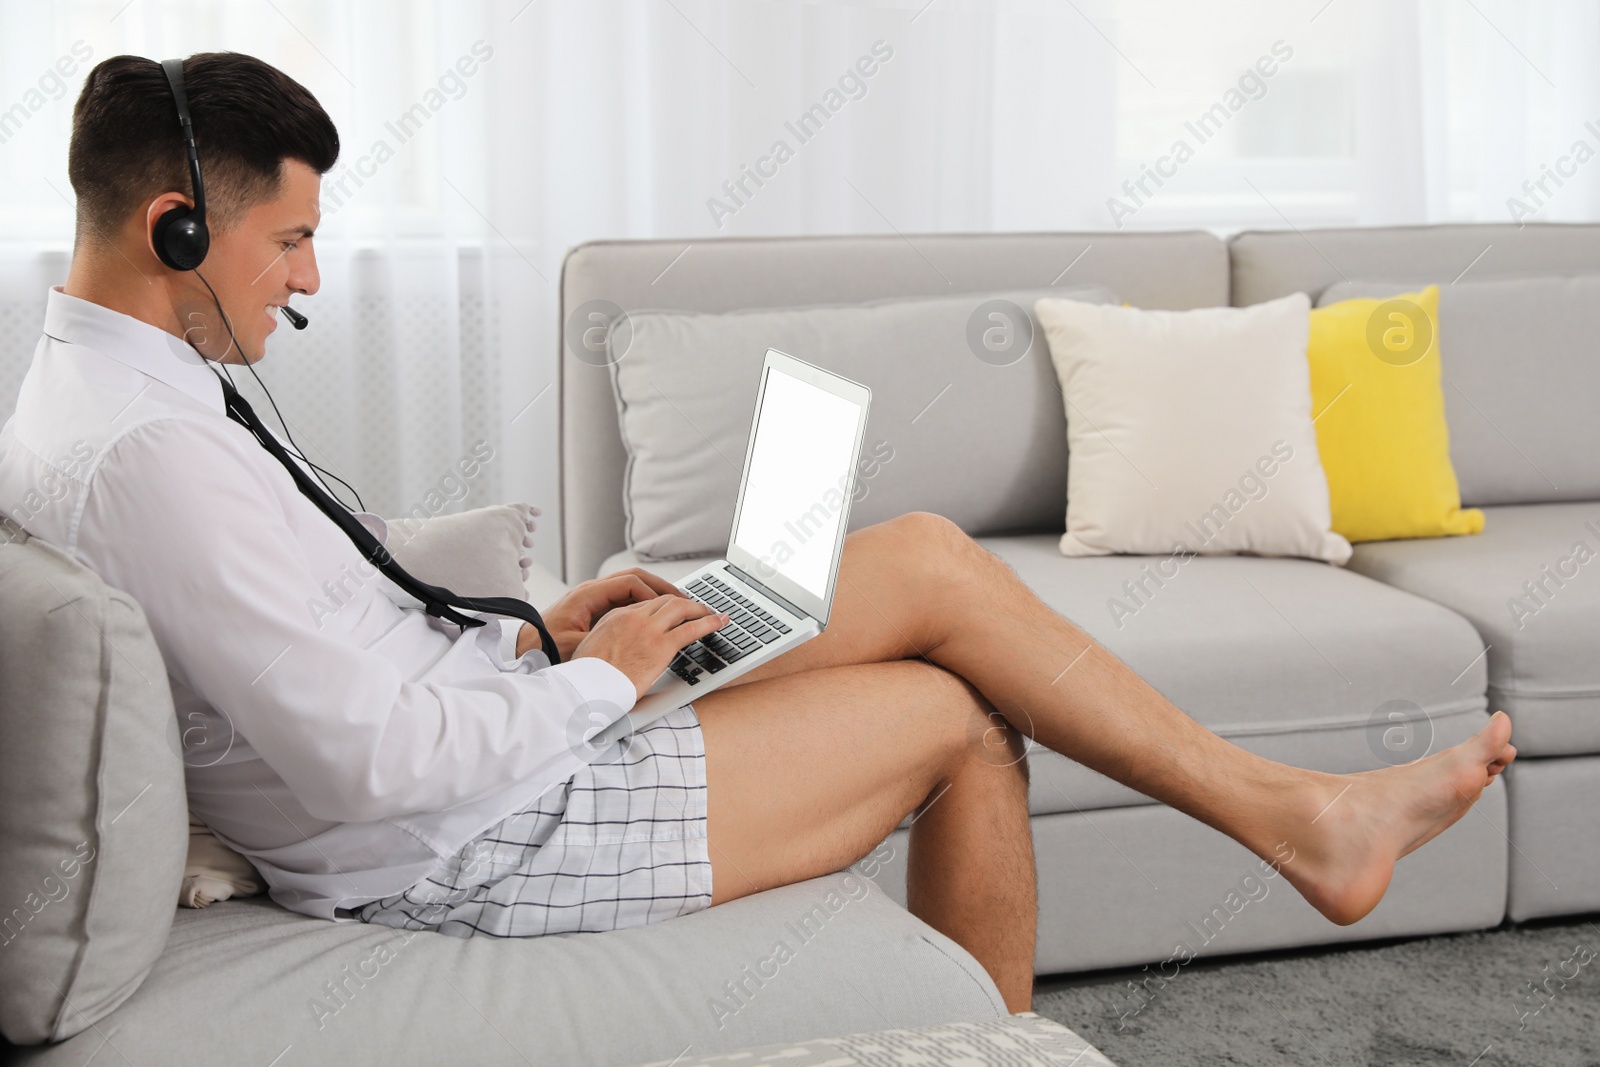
[(1349, 829)]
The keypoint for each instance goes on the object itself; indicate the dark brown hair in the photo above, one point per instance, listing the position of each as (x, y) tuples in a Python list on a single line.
[(248, 118)]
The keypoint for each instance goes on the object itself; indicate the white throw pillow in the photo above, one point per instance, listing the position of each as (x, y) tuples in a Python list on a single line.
[(487, 551), (1189, 432)]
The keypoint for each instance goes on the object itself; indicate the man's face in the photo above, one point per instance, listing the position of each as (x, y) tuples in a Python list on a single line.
[(255, 265)]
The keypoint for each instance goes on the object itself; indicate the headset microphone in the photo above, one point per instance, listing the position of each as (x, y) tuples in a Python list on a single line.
[(297, 320)]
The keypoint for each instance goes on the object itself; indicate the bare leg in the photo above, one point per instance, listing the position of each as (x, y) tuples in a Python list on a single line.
[(917, 586), (807, 773)]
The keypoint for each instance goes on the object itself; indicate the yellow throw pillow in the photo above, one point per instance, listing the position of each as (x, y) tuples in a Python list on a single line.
[(1378, 407)]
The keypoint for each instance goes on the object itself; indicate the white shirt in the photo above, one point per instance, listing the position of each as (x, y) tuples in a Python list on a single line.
[(345, 754)]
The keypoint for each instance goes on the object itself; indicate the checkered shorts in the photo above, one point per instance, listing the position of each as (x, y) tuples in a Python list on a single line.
[(623, 843)]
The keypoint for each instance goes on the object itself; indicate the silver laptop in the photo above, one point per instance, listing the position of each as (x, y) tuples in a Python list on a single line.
[(788, 535)]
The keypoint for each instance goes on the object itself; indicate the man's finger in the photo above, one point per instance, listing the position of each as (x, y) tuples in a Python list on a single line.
[(674, 610), (656, 582), (694, 629), (616, 590), (712, 623)]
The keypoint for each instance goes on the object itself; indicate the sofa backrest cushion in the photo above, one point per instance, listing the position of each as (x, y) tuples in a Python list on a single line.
[(1158, 270), (1521, 370), (966, 416), (1523, 364), (1267, 264), (93, 815)]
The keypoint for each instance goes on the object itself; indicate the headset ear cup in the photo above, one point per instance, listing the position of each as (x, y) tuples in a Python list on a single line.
[(180, 242)]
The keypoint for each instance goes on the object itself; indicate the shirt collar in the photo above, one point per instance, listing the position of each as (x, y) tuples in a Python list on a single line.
[(147, 349)]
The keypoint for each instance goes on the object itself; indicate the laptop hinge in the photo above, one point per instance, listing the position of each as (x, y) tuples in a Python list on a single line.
[(796, 612)]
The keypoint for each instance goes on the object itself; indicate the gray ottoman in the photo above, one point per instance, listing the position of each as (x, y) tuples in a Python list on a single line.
[(1021, 1040)]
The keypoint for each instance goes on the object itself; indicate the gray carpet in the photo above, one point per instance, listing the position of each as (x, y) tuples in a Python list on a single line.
[(1518, 995)]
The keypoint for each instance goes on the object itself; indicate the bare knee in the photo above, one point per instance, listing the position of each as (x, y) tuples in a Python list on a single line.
[(927, 547), (997, 745), (982, 757), (925, 530), (972, 730)]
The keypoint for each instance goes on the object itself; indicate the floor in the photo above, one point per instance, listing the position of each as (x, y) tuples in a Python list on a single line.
[(1516, 995)]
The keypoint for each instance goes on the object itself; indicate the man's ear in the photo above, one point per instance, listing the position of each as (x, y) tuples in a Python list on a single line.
[(153, 212)]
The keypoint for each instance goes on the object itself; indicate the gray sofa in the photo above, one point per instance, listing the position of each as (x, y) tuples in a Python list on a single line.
[(1305, 667)]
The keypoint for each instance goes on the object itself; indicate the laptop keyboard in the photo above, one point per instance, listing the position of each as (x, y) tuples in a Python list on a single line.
[(749, 627)]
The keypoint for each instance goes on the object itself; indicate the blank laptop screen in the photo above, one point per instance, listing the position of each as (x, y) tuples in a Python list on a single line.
[(798, 480)]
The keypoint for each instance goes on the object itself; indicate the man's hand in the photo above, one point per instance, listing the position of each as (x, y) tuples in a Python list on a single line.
[(574, 616), (640, 639)]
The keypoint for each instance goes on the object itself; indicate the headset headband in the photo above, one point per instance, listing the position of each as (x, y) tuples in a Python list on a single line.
[(174, 72)]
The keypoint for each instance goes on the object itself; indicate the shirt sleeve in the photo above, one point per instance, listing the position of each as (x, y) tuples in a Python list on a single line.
[(510, 629), (211, 542)]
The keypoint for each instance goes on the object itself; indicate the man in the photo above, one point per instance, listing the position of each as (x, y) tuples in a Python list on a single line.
[(388, 766)]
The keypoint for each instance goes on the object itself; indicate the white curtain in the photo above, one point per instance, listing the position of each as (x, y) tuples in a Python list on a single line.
[(482, 139)]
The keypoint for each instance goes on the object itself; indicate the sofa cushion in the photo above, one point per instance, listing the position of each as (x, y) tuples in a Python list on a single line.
[(485, 551), (1301, 662), (1530, 583), (1555, 868), (966, 417), (92, 809), (1190, 429), (1520, 372), (1381, 431), (247, 982)]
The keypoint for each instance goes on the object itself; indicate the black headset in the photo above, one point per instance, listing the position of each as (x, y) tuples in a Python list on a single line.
[(182, 239), (180, 235)]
